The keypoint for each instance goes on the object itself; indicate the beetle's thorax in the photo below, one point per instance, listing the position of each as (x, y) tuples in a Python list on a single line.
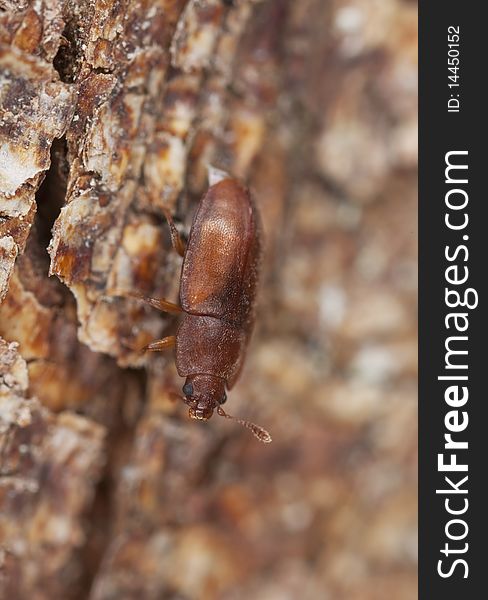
[(203, 393)]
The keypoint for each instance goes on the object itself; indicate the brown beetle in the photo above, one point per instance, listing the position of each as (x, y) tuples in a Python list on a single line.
[(217, 294)]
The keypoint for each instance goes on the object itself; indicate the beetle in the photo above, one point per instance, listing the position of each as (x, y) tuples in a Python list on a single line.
[(218, 282)]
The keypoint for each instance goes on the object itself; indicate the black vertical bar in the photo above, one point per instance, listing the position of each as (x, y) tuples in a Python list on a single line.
[(440, 132)]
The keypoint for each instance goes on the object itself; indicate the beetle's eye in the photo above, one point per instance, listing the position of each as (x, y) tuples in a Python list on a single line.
[(224, 398), (188, 389)]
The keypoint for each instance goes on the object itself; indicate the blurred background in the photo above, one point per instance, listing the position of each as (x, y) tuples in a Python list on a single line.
[(107, 489)]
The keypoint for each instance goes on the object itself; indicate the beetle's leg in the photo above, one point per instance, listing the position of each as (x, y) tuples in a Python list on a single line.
[(159, 303), (176, 241), (158, 345), (162, 304)]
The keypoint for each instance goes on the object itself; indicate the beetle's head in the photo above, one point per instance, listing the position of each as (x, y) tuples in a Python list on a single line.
[(203, 393)]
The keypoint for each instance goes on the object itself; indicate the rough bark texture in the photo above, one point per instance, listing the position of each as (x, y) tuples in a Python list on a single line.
[(110, 112)]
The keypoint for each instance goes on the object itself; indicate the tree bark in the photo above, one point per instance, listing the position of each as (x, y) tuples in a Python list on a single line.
[(111, 113)]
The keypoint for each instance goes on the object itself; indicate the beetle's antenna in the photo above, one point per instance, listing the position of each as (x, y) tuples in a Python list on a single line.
[(258, 431)]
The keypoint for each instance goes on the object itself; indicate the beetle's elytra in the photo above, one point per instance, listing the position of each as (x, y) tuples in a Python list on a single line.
[(217, 296)]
